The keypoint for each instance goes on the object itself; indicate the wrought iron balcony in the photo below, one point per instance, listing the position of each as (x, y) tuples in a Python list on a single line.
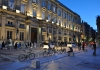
[(22, 27), (43, 30), (10, 25)]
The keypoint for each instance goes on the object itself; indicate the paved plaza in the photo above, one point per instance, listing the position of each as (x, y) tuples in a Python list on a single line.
[(81, 61)]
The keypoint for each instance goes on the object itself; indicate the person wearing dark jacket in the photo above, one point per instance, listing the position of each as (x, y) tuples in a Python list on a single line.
[(71, 50), (15, 45), (94, 47), (3, 45)]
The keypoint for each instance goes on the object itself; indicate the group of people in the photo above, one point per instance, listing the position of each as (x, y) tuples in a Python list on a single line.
[(82, 45), (16, 45), (30, 44)]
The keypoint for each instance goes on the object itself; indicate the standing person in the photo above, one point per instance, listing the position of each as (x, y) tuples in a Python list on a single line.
[(34, 44), (30, 44), (15, 45), (79, 46), (3, 45), (83, 46), (26, 45), (70, 50), (94, 47)]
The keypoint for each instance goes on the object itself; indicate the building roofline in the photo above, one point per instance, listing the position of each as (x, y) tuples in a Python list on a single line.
[(67, 8)]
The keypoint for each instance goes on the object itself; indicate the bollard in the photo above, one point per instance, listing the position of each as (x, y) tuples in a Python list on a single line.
[(35, 64), (38, 64)]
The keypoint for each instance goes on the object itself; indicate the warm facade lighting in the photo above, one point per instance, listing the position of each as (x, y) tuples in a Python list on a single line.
[(39, 18), (47, 20), (4, 7), (17, 11), (52, 22)]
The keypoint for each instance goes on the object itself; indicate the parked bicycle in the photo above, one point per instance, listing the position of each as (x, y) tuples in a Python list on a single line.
[(62, 50), (29, 55)]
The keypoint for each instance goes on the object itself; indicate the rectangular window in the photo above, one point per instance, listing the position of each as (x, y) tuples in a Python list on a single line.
[(43, 3), (34, 13), (49, 6), (54, 9), (21, 36), (34, 1), (22, 8), (43, 15), (59, 12), (9, 34), (11, 4), (49, 17), (64, 15)]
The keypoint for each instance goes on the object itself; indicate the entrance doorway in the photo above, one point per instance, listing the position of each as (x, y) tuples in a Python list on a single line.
[(33, 35)]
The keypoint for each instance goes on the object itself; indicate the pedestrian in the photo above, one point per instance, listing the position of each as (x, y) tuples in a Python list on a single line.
[(30, 44), (71, 50), (15, 45), (3, 45), (79, 46), (19, 45), (26, 45), (83, 46), (34, 44), (94, 47)]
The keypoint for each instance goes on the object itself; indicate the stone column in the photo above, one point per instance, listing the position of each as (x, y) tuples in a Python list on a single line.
[(27, 32), (3, 29), (39, 36)]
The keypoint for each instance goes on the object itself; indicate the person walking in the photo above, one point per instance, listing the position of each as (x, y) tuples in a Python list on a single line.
[(3, 45), (94, 47)]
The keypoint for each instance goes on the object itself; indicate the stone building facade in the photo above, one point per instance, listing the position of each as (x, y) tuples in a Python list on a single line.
[(38, 20)]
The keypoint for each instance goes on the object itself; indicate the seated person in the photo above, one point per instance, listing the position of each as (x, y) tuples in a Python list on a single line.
[(71, 50)]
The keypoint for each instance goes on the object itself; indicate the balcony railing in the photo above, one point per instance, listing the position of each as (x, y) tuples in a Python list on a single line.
[(43, 30), (10, 25), (22, 27)]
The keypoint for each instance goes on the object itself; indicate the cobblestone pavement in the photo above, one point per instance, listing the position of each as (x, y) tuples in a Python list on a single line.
[(81, 61)]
